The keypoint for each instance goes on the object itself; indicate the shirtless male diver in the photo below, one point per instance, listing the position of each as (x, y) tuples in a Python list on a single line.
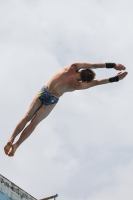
[(77, 76)]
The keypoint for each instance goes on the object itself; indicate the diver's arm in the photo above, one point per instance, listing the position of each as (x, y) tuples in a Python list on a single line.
[(86, 85), (89, 65), (116, 66)]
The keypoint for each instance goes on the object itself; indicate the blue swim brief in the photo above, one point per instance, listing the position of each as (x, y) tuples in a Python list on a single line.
[(46, 97)]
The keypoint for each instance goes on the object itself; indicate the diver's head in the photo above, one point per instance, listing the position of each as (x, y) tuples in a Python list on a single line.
[(87, 75)]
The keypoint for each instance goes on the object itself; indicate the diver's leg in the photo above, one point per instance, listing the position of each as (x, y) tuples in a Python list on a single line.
[(35, 105), (42, 113)]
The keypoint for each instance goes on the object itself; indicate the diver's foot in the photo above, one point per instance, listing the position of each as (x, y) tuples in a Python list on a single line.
[(7, 147), (12, 150)]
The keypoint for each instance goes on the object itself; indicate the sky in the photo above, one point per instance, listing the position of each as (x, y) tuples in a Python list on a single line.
[(83, 149)]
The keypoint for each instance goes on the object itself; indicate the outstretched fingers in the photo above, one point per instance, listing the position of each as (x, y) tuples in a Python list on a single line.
[(122, 75), (119, 67)]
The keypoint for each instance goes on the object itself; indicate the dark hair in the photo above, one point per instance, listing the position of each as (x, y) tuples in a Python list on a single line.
[(87, 75)]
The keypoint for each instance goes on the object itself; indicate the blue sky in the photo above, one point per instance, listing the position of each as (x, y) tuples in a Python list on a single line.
[(83, 150)]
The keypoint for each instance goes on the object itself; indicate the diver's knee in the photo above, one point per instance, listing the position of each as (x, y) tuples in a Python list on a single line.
[(33, 125), (27, 117)]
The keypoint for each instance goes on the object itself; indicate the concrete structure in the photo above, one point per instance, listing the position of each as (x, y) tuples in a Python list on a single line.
[(9, 191)]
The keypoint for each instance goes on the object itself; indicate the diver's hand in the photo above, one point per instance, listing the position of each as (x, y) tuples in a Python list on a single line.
[(122, 75), (119, 67)]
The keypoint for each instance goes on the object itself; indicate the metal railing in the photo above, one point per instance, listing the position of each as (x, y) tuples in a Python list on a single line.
[(51, 197)]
